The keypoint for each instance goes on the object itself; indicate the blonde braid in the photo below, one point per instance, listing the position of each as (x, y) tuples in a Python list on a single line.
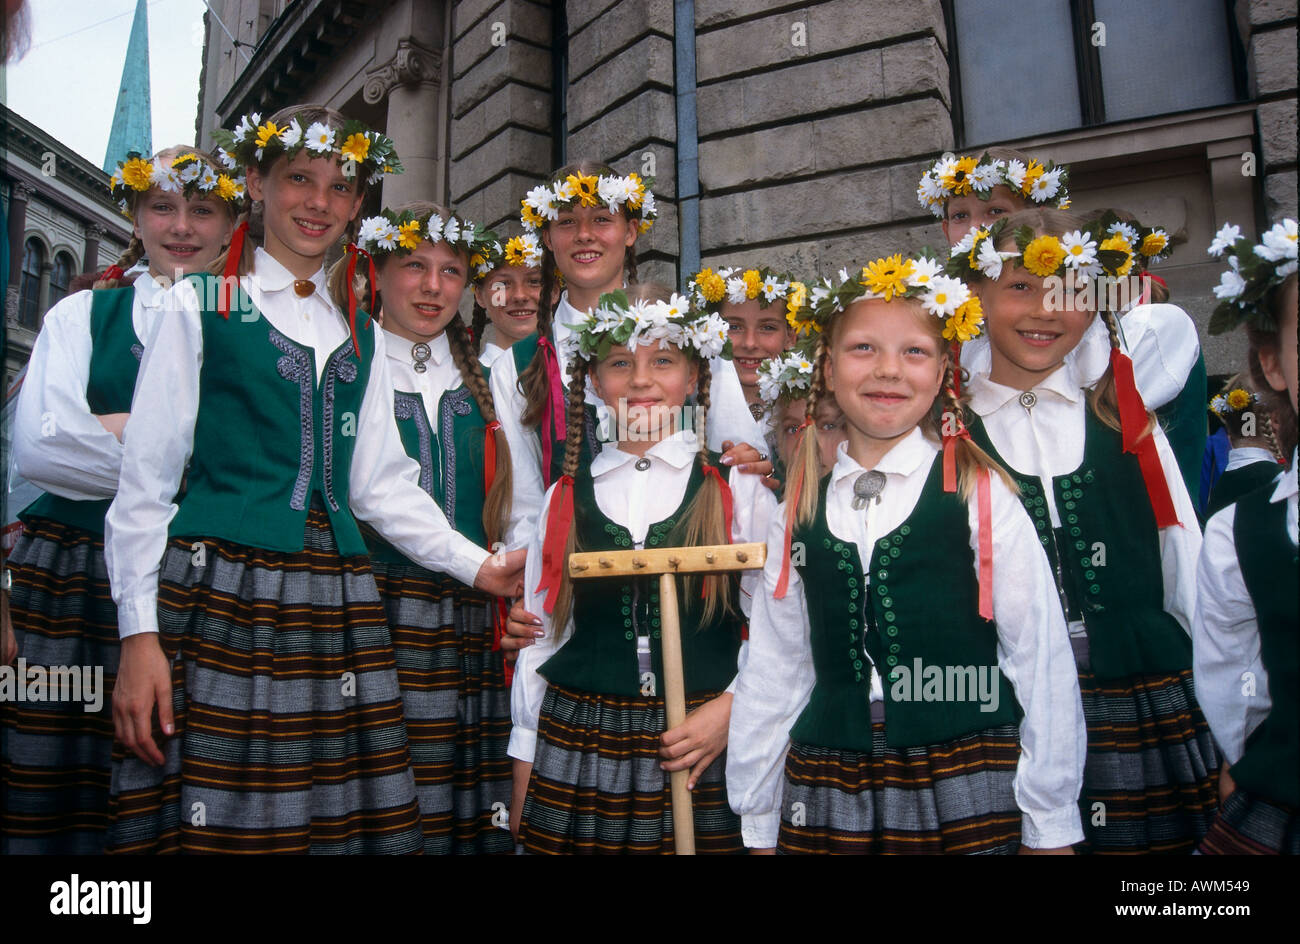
[(533, 382), (806, 467), (572, 457)]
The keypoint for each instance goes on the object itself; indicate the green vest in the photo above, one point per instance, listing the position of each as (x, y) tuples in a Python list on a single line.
[(1240, 481), (268, 435), (1270, 764), (1106, 555), (523, 352), (450, 452), (115, 354), (1184, 422), (600, 656), (917, 618)]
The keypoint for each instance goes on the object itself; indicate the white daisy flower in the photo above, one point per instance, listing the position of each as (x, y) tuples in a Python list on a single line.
[(451, 229), (227, 159), (562, 192), (930, 194), (248, 125), (1015, 174), (966, 243), (167, 178), (1125, 230), (371, 229), (736, 291), (843, 275), (208, 179), (818, 294), (387, 236), (944, 167), (709, 334), (924, 270), (434, 228), (240, 188), (291, 134), (1080, 249), (946, 295), (677, 306), (1224, 239), (615, 191), (1219, 404), (985, 176), (769, 381), (773, 288), (1231, 284), (989, 261), (648, 208), (1279, 242), (320, 137), (1046, 186), (190, 172)]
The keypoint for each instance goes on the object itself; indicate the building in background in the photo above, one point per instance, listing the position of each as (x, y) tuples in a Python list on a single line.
[(62, 222), (795, 133)]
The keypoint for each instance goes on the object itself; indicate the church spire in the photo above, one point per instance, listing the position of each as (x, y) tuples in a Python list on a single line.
[(132, 127)]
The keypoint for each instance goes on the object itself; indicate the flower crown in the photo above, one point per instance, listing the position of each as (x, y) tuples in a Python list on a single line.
[(915, 276), (1107, 246), (957, 176), (400, 233), (785, 377), (1254, 271), (616, 320), (1236, 400), (188, 174), (524, 252), (360, 151), (545, 201)]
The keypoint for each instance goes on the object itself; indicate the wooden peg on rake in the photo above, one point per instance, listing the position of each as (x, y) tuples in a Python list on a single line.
[(668, 562)]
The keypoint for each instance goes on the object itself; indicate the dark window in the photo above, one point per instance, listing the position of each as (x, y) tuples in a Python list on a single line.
[(30, 291), (60, 277), (1027, 69)]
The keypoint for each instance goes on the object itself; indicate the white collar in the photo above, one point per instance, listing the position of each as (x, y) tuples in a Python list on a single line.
[(399, 348), (148, 290), (566, 314), (988, 396), (271, 276), (678, 451), (906, 456), (1286, 483)]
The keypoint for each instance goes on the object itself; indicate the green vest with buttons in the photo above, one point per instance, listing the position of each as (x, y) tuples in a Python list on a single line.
[(269, 435), (523, 352), (922, 604), (1270, 764), (600, 656), (1235, 483), (1106, 555), (449, 448), (115, 354)]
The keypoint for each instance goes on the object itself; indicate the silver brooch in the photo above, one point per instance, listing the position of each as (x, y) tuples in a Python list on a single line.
[(420, 353), (1028, 399), (866, 487)]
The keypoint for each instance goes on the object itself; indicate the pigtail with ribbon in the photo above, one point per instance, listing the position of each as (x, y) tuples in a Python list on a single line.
[(983, 490), (353, 251), (1133, 421), (559, 519), (791, 511), (559, 431), (230, 272)]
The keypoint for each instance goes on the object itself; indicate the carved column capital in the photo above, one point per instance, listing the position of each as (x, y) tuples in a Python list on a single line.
[(23, 191), (412, 64)]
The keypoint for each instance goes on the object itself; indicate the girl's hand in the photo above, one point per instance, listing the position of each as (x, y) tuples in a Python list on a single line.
[(8, 641), (502, 574), (745, 458), (144, 679), (114, 423), (1227, 786), (522, 628), (697, 741), (522, 771), (1060, 850)]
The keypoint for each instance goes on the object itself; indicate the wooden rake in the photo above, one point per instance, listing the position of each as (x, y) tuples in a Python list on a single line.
[(667, 562)]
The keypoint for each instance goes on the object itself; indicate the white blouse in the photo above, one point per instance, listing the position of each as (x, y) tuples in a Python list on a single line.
[(1239, 456), (383, 486), (1161, 340), (636, 499), (1033, 653), (58, 443), (1225, 634), (491, 351), (1046, 440)]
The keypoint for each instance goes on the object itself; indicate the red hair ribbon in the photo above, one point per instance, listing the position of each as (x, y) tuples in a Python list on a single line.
[(558, 521), (489, 455), (791, 507), (1146, 289), (1132, 421), (353, 251), (984, 498), (711, 471), (230, 273), (555, 394), (113, 273)]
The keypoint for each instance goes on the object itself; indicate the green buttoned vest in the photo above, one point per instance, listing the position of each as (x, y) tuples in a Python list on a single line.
[(922, 603), (523, 351), (268, 435), (449, 448), (115, 354), (1106, 555), (1270, 765), (600, 656)]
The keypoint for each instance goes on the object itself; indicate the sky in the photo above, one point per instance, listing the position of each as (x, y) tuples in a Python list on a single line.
[(67, 83)]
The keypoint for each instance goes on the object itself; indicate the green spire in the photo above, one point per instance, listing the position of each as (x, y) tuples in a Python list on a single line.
[(132, 127)]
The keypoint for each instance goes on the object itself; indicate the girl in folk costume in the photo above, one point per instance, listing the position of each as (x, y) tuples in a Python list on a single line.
[(247, 607), (881, 708), (1244, 639), (1099, 480), (1255, 453), (784, 383), (587, 703), (758, 306), (453, 684), (507, 293), (68, 440)]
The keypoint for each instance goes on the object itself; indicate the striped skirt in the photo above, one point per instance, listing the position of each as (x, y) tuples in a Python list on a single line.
[(289, 728), (1251, 825), (597, 786), (58, 754), (1151, 780), (457, 708), (952, 798)]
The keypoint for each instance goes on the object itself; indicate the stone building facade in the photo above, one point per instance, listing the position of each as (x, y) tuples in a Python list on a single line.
[(795, 133), (62, 222)]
